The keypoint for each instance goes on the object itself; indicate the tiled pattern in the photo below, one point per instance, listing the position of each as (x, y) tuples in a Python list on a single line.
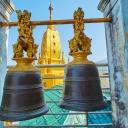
[(60, 119)]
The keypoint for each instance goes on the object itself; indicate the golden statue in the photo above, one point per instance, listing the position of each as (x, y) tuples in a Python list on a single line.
[(80, 42), (78, 16), (25, 41)]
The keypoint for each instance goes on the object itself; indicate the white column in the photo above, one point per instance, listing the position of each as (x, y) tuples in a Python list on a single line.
[(6, 8), (117, 50)]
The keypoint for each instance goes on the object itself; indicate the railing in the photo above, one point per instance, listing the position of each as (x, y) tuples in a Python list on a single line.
[(71, 113)]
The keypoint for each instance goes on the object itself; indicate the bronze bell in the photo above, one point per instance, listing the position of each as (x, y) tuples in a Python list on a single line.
[(23, 93), (81, 90), (23, 90)]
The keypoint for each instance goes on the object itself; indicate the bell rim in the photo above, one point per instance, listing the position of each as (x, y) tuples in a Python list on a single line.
[(23, 116), (88, 106)]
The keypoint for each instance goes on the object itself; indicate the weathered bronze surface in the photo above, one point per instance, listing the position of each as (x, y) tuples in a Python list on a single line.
[(22, 96), (81, 91), (23, 90)]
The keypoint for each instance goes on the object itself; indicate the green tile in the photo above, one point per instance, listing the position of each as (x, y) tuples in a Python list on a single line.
[(59, 119)]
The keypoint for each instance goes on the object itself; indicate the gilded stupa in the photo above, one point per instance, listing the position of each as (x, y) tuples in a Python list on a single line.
[(51, 53)]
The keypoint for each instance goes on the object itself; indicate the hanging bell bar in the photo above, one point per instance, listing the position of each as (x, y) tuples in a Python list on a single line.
[(23, 96), (81, 89)]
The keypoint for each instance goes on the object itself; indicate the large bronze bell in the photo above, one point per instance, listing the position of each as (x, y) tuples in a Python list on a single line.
[(23, 93), (23, 90), (82, 90)]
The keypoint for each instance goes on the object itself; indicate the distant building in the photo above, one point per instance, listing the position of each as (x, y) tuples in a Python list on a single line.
[(51, 54), (103, 72)]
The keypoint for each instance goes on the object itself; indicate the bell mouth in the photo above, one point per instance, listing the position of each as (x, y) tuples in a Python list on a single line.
[(85, 106), (19, 116)]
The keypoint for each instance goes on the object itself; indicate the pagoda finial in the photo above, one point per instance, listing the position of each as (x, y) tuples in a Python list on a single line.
[(39, 59), (68, 59), (63, 60), (39, 55), (50, 8)]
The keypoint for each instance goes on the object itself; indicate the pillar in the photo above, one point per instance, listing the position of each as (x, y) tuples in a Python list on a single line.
[(117, 50), (6, 8)]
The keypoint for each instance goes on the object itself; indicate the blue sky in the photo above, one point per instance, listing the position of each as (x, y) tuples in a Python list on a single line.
[(62, 9)]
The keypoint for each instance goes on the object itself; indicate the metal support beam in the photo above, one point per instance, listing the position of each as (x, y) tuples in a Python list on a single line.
[(70, 21)]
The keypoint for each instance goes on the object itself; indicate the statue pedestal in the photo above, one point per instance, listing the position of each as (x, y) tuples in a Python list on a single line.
[(23, 64)]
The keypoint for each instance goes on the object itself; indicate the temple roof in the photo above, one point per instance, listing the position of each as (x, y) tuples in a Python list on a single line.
[(53, 107)]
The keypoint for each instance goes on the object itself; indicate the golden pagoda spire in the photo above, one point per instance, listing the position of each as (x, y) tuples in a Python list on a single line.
[(39, 59), (39, 55), (68, 59), (63, 60), (50, 8), (50, 18)]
